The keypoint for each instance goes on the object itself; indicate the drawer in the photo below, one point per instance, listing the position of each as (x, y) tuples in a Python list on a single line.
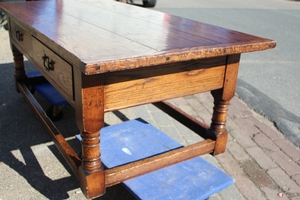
[(55, 69), (21, 37)]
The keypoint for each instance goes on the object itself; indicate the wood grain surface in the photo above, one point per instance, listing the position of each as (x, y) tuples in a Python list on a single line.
[(112, 36)]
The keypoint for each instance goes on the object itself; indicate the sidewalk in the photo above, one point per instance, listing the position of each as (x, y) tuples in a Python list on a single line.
[(263, 163)]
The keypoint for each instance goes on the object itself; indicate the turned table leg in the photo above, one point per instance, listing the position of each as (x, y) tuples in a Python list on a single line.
[(89, 107), (20, 73), (91, 171), (222, 97), (218, 125)]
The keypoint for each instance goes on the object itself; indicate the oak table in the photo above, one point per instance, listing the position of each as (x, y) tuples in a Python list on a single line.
[(103, 56)]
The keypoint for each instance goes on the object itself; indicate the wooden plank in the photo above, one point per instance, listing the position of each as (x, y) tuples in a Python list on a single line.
[(116, 38), (125, 172), (146, 85)]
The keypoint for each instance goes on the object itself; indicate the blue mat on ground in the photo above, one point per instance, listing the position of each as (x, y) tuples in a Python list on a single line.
[(134, 140)]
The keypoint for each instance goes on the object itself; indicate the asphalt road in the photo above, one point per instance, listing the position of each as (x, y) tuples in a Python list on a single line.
[(268, 80)]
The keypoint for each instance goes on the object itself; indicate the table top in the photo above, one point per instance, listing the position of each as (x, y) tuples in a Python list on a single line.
[(103, 35)]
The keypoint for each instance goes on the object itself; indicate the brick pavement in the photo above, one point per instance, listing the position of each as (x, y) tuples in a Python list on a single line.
[(265, 165), (263, 162)]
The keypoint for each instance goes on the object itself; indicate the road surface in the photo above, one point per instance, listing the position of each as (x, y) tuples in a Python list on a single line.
[(269, 80)]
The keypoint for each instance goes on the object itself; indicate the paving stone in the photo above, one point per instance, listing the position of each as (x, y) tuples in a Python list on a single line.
[(152, 122), (188, 136), (125, 114), (248, 188), (151, 108), (237, 151), (234, 112), (212, 160), (229, 164), (230, 138), (253, 120), (206, 100), (194, 103), (161, 119), (6, 55), (297, 179), (288, 148), (261, 158), (231, 125), (241, 121), (263, 141), (173, 133), (188, 109), (269, 131), (200, 109), (283, 180), (180, 101), (285, 162), (142, 112), (257, 174), (205, 117), (215, 197), (246, 125), (250, 129), (273, 194), (242, 138), (182, 129), (238, 104), (231, 193), (111, 118)]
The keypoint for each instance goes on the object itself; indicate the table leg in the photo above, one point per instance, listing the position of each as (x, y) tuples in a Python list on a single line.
[(20, 73), (217, 129), (89, 107), (91, 172), (222, 97)]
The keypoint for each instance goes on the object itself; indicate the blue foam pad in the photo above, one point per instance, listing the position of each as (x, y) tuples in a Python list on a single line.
[(33, 74), (134, 140), (48, 91)]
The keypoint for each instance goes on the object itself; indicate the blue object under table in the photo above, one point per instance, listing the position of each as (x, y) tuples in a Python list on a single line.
[(134, 140), (47, 91)]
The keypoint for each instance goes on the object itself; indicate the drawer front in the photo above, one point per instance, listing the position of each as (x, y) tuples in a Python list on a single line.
[(21, 37), (55, 69)]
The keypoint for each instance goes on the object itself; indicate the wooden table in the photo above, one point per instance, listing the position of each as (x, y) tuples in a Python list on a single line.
[(104, 56)]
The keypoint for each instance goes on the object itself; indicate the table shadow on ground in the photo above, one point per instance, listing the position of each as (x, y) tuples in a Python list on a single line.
[(20, 130)]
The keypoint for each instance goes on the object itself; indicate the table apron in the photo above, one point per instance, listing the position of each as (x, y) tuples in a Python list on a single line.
[(152, 84)]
